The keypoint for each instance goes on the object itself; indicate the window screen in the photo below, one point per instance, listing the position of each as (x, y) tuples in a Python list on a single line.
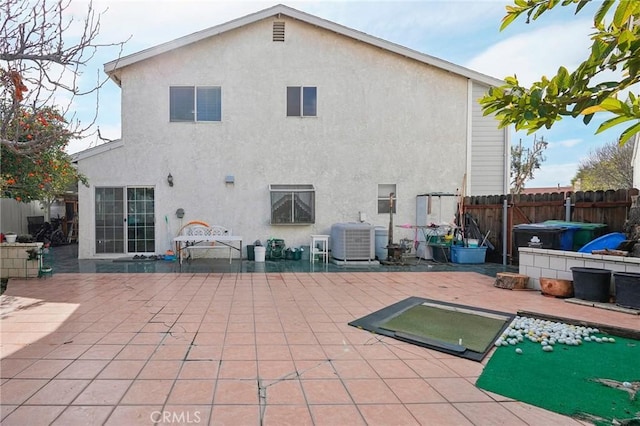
[(383, 197), (302, 101), (189, 103)]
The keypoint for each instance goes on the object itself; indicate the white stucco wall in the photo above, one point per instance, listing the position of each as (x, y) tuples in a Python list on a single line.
[(381, 119)]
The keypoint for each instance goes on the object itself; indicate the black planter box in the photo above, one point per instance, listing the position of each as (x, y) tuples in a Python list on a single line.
[(592, 284), (627, 285)]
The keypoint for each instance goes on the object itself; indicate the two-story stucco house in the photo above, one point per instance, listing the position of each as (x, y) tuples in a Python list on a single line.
[(280, 124)]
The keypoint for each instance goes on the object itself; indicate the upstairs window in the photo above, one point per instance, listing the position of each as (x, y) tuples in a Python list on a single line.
[(301, 101), (190, 103), (383, 197), (292, 204)]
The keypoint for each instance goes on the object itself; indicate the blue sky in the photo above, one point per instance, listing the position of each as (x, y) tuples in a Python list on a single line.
[(463, 32)]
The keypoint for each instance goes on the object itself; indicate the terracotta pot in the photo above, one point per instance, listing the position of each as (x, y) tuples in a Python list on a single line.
[(556, 287)]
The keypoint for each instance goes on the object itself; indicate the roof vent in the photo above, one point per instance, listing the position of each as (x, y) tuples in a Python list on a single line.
[(278, 31)]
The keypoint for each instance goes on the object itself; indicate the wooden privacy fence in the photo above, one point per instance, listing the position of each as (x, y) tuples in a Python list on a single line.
[(607, 207)]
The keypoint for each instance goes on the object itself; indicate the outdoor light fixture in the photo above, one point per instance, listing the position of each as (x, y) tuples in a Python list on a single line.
[(170, 180)]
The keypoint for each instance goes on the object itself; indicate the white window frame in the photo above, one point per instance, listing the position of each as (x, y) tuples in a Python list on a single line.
[(384, 189), (301, 111), (280, 192), (194, 111)]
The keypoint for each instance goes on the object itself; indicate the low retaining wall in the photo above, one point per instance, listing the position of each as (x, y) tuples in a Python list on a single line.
[(14, 263), (536, 263)]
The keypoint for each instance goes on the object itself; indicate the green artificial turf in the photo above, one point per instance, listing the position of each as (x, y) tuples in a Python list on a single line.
[(562, 380), (474, 331)]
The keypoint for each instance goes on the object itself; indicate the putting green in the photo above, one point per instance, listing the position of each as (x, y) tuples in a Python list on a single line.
[(563, 381), (473, 330)]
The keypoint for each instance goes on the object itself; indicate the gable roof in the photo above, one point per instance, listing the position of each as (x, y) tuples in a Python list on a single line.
[(112, 67)]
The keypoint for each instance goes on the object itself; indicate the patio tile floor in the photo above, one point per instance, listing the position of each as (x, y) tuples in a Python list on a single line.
[(239, 348)]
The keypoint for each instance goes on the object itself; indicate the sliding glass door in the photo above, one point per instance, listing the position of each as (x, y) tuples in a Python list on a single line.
[(141, 224), (111, 220)]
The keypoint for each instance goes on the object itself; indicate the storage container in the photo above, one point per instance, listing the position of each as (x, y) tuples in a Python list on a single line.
[(606, 242), (551, 236), (441, 252), (381, 241), (259, 253), (627, 285), (592, 284), (586, 231), (461, 254)]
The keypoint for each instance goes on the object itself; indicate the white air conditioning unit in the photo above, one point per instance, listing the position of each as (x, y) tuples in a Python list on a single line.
[(353, 242)]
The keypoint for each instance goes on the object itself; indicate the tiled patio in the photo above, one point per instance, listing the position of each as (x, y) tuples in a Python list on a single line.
[(247, 349)]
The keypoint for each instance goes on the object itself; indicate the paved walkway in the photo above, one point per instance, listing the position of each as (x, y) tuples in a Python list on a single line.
[(247, 349)]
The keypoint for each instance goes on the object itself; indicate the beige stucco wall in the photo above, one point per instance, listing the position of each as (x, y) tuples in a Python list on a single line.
[(382, 118)]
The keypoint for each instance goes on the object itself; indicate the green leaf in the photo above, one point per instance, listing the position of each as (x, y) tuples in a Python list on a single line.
[(625, 38), (563, 79), (627, 134), (602, 11), (622, 13), (613, 105), (508, 19), (587, 118), (539, 12), (511, 80), (582, 4), (535, 97), (613, 122)]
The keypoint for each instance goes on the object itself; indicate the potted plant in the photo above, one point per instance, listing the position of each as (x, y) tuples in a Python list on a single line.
[(10, 237), (33, 253)]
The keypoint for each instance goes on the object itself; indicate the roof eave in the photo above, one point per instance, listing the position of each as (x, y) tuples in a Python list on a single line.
[(96, 150), (112, 67)]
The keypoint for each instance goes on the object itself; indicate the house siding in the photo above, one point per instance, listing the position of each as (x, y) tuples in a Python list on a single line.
[(489, 154), (382, 118)]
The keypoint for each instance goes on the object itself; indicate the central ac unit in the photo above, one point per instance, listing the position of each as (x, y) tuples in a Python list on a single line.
[(353, 242)]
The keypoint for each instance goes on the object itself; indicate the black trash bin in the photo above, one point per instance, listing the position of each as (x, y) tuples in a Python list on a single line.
[(549, 237), (251, 255)]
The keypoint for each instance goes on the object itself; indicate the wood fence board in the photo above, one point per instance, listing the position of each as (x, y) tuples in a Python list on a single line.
[(608, 207)]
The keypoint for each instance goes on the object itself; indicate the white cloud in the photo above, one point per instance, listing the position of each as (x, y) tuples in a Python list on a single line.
[(567, 143), (535, 53), (552, 175), (154, 22)]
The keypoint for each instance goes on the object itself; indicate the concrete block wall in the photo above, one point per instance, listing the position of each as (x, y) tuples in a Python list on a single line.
[(14, 263), (536, 263)]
